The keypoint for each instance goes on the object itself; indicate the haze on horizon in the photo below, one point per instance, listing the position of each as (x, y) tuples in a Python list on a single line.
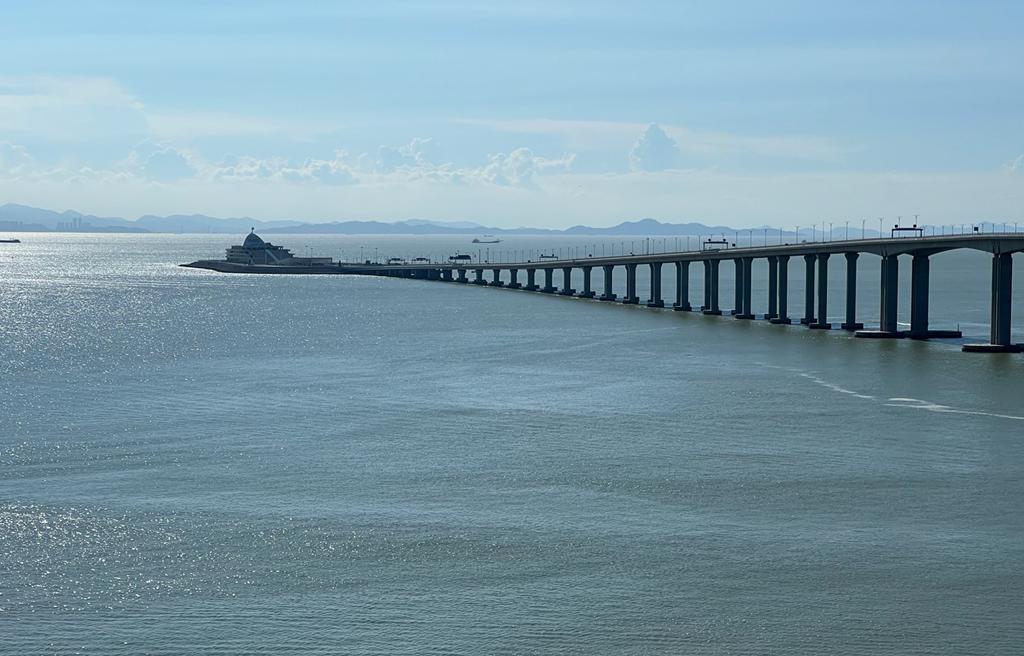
[(546, 114)]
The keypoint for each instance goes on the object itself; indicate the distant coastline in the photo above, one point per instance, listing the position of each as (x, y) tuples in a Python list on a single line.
[(23, 218)]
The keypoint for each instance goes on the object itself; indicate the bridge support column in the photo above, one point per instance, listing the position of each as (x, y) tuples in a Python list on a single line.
[(462, 276), (567, 289), (822, 322), (851, 293), (773, 287), (889, 305), (746, 277), (655, 300), (446, 275), (479, 277), (711, 288), (549, 287), (587, 291), (783, 316), (1002, 283), (707, 286), (496, 280), (433, 274), (513, 279), (737, 306), (631, 297), (890, 301), (919, 274), (808, 317), (531, 280), (682, 287), (608, 294)]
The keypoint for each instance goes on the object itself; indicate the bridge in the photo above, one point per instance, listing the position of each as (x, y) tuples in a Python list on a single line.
[(816, 256)]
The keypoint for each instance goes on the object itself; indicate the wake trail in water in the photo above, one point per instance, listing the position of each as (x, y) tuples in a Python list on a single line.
[(893, 402), (919, 404)]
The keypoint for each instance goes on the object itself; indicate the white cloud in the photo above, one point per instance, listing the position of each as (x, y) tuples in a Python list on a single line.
[(14, 160), (416, 161), (335, 171), (614, 135), (68, 108), (1017, 165), (419, 153), (654, 151), (185, 125), (520, 167)]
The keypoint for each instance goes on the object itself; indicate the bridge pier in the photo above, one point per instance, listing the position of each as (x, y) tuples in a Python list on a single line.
[(682, 287), (808, 317), (773, 288), (822, 322), (890, 300), (479, 277), (745, 300), (851, 322), (446, 275), (587, 291), (919, 274), (889, 304), (783, 310), (608, 294), (549, 287), (531, 280), (630, 297), (1002, 284), (655, 301), (462, 276), (496, 280), (433, 274), (567, 289), (737, 305), (711, 288), (513, 279)]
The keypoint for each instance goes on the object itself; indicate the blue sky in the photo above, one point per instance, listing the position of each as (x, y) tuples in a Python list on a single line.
[(528, 113)]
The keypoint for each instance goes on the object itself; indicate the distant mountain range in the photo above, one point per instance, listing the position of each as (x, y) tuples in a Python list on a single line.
[(22, 218)]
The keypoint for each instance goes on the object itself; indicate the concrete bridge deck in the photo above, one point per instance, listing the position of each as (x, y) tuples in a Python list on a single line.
[(1002, 246)]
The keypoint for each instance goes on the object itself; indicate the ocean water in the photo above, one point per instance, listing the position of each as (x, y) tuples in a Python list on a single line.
[(200, 463)]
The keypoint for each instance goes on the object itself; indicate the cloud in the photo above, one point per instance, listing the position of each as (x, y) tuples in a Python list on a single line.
[(520, 167), (68, 108), (419, 153), (337, 171), (1017, 165), (614, 135), (14, 160), (654, 151), (416, 161)]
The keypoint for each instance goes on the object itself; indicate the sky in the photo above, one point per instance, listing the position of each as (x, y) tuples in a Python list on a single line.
[(545, 114)]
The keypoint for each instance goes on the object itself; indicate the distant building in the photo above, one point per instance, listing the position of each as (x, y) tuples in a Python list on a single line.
[(256, 251)]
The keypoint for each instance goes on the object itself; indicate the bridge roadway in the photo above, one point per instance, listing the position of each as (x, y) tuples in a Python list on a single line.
[(1002, 246)]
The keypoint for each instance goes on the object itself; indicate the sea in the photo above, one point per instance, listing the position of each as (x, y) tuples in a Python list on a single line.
[(203, 463)]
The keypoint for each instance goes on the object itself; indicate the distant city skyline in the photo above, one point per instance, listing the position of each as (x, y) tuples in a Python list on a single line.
[(539, 114)]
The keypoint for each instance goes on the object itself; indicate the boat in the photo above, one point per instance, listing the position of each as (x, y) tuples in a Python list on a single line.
[(486, 239), (10, 241)]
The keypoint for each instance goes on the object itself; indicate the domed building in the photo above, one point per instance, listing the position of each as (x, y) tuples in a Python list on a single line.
[(256, 251)]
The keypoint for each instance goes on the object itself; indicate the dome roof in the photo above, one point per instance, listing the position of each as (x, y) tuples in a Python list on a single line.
[(252, 240)]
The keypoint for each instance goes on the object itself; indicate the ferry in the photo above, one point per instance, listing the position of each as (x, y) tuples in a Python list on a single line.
[(487, 239), (10, 241)]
